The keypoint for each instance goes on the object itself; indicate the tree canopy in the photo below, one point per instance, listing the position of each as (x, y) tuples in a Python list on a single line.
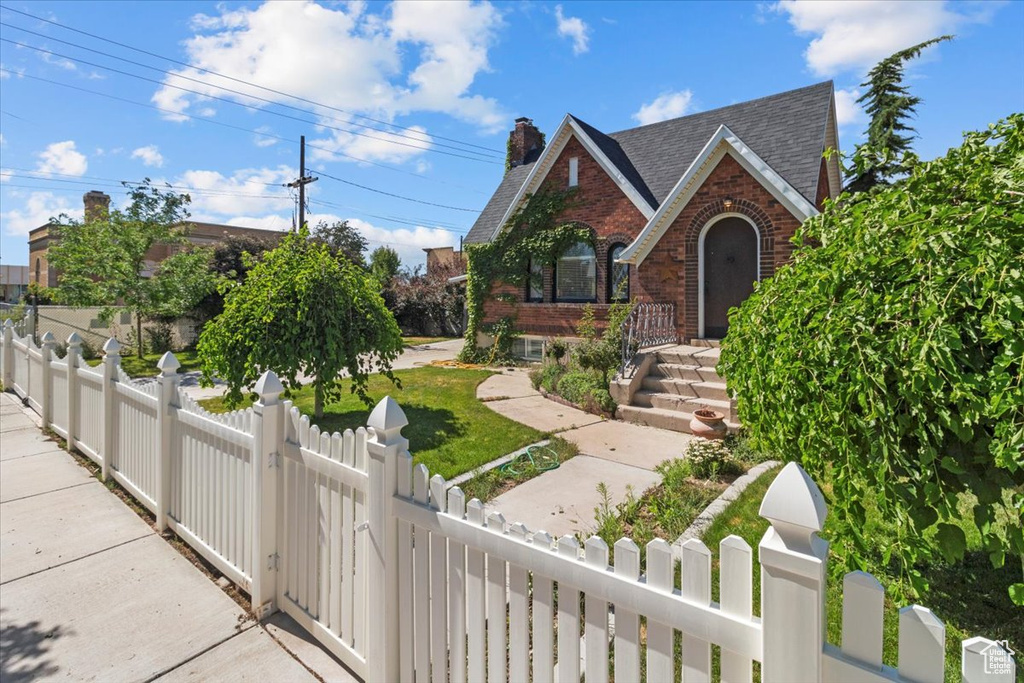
[(889, 104), (343, 240), (301, 311), (887, 357), (103, 261)]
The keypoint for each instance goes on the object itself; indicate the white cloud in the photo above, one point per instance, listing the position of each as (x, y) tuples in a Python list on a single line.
[(150, 155), (575, 29), (262, 139), (853, 36), (6, 71), (413, 57), (668, 105), (61, 62), (246, 192), (408, 242), (62, 157), (3, 141), (37, 210), (847, 110), (375, 145)]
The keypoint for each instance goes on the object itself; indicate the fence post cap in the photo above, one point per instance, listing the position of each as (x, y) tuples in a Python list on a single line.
[(111, 347), (269, 387), (168, 364), (794, 505), (48, 338), (74, 339), (387, 416)]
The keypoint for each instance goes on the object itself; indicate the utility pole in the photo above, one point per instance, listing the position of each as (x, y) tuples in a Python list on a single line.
[(302, 181)]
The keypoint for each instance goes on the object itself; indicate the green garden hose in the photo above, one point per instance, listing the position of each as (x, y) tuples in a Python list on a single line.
[(540, 458)]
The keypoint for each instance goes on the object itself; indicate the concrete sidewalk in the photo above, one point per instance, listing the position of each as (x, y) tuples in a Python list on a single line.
[(89, 591), (621, 455)]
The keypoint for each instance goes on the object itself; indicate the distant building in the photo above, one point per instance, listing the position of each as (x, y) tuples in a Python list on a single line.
[(13, 282), (445, 260), (96, 206)]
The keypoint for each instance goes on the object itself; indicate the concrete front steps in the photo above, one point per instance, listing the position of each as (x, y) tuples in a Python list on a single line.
[(678, 380)]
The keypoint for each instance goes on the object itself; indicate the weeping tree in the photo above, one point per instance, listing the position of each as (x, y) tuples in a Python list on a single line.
[(890, 105), (301, 311)]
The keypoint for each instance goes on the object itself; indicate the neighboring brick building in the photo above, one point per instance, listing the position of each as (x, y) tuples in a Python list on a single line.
[(690, 211), (96, 206)]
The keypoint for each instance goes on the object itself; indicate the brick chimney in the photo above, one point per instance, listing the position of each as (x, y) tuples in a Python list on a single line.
[(97, 205), (523, 140)]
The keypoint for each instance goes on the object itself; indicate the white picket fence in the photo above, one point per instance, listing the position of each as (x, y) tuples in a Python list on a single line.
[(404, 580)]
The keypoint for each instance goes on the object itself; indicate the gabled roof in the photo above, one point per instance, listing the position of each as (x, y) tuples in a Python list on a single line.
[(787, 131), (723, 142)]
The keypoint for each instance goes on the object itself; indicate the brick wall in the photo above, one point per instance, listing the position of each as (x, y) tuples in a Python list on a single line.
[(670, 272), (613, 218)]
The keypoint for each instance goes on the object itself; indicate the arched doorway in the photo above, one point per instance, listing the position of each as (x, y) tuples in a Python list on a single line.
[(729, 266)]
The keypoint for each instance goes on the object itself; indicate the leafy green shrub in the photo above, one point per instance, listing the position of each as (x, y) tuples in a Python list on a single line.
[(549, 376), (887, 357), (710, 459), (557, 349), (575, 385), (599, 400), (160, 338)]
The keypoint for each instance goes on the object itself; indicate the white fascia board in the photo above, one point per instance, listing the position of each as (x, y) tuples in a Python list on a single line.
[(723, 142), (567, 128)]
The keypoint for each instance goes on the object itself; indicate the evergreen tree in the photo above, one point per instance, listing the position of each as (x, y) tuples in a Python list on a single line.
[(889, 104)]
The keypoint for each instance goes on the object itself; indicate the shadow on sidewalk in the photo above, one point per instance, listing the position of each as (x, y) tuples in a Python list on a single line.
[(24, 650)]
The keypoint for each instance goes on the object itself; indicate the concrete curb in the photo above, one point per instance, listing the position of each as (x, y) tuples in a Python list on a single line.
[(704, 519), (487, 467)]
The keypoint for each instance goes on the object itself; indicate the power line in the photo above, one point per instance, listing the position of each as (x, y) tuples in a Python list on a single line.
[(242, 104), (237, 80), (416, 223), (123, 183), (218, 123), (396, 196), (421, 139)]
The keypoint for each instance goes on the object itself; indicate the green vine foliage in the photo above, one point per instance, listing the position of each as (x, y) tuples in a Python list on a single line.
[(301, 309), (887, 356), (533, 231)]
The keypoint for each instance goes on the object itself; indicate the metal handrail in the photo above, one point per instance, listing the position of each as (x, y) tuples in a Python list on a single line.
[(648, 324)]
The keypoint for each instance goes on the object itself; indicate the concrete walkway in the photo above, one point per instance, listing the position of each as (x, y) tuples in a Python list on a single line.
[(89, 591), (621, 455), (411, 357)]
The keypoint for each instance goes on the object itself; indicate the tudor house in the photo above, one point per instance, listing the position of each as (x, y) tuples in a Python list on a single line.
[(690, 211)]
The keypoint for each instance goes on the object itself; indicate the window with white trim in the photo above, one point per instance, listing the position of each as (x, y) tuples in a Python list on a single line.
[(576, 274), (574, 172)]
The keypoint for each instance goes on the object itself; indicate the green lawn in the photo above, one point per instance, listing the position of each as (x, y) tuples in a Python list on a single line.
[(449, 431), (146, 366), (970, 598), (418, 341)]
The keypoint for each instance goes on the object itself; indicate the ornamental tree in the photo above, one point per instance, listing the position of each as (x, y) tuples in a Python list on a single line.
[(301, 312), (103, 261), (887, 357), (889, 104)]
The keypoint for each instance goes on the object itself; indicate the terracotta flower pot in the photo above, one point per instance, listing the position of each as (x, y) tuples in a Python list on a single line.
[(708, 424)]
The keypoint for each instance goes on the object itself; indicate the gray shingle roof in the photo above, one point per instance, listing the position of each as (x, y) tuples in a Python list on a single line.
[(787, 130)]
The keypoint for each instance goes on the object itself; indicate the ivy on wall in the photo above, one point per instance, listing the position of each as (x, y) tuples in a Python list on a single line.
[(532, 232)]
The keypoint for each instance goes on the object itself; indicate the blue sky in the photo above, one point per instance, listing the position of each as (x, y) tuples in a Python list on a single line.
[(416, 99)]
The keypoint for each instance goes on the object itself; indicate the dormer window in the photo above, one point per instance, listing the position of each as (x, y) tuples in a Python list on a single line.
[(574, 172)]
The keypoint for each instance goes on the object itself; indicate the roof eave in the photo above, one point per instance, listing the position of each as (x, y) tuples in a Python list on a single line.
[(724, 141)]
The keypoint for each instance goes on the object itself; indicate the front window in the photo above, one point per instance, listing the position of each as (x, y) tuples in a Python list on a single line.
[(535, 281), (576, 274), (618, 275)]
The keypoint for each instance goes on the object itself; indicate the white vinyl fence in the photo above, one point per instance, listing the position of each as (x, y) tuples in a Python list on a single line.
[(404, 579)]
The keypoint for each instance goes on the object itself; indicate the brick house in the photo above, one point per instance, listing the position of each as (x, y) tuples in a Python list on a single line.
[(96, 206), (690, 211)]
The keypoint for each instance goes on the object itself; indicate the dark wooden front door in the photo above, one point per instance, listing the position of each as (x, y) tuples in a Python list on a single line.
[(730, 270)]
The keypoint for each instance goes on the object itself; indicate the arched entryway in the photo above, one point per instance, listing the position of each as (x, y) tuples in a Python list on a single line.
[(729, 253)]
